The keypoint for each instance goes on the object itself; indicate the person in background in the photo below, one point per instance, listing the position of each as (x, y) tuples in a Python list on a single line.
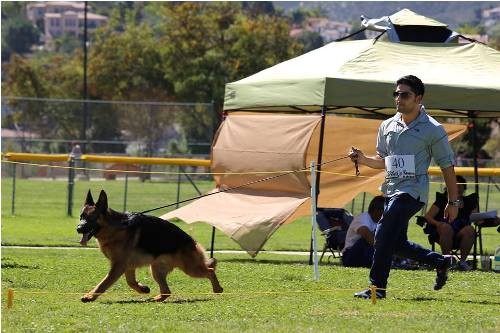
[(457, 234), (358, 249)]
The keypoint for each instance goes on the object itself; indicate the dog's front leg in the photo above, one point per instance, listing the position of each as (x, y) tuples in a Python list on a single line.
[(114, 274), (132, 282)]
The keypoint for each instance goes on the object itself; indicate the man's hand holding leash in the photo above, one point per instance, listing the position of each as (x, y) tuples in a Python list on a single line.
[(358, 157)]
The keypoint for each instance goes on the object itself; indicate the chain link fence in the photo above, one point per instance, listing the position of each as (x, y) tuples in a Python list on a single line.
[(143, 129), (39, 125)]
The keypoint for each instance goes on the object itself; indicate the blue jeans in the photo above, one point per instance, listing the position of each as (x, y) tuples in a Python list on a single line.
[(391, 238), (358, 255)]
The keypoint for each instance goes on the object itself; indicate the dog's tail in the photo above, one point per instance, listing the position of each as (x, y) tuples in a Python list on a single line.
[(210, 262)]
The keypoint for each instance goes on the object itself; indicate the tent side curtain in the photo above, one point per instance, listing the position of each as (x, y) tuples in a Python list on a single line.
[(459, 78), (248, 149), (251, 144), (279, 147)]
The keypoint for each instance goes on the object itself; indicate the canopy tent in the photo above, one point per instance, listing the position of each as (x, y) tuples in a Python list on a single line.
[(357, 77), (345, 78), (407, 26)]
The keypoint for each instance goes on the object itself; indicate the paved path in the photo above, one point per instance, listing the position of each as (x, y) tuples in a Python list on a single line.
[(294, 253), (291, 253)]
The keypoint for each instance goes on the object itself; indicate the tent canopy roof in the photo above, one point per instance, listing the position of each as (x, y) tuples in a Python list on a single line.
[(407, 17), (357, 77)]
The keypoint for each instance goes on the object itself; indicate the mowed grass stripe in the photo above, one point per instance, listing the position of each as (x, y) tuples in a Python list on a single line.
[(272, 293)]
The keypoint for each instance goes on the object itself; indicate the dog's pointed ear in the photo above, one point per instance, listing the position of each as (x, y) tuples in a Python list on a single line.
[(102, 202), (89, 201)]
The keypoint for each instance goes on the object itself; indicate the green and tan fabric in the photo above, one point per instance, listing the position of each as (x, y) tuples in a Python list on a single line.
[(247, 145), (408, 17), (357, 77)]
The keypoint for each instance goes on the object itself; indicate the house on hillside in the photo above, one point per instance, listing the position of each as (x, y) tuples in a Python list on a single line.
[(329, 30), (491, 16), (58, 18)]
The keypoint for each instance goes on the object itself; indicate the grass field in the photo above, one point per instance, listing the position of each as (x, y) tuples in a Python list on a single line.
[(41, 219), (268, 294), (272, 293)]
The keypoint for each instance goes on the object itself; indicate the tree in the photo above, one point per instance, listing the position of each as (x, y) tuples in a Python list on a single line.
[(311, 40), (207, 45), (356, 26), (127, 66), (483, 131), (299, 15), (67, 44), (256, 8), (185, 52), (18, 35)]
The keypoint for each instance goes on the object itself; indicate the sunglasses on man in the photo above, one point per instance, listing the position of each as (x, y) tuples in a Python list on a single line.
[(401, 94)]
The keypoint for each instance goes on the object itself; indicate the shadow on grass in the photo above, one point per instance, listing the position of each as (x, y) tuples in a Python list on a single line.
[(481, 302), (150, 300), (8, 265), (276, 261), (427, 298)]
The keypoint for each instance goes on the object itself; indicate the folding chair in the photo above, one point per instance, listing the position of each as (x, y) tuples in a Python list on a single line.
[(433, 235), (333, 224)]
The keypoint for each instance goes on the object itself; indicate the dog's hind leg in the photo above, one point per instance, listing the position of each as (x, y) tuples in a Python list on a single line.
[(159, 272), (195, 264), (212, 263), (132, 282), (114, 274), (215, 282)]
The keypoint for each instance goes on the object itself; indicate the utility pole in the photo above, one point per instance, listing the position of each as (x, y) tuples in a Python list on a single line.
[(85, 94)]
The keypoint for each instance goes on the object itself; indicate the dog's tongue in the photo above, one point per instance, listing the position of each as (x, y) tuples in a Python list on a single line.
[(84, 240)]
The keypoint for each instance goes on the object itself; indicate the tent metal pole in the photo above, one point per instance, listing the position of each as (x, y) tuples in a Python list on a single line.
[(475, 153), (472, 126), (313, 221), (212, 240), (319, 161)]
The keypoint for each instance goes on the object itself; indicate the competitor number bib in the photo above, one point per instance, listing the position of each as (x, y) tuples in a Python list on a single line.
[(400, 166)]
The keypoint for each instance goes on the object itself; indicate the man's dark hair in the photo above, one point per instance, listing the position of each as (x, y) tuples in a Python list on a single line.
[(377, 203), (414, 83)]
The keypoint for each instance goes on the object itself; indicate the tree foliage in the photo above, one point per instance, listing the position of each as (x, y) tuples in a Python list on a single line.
[(161, 51), (18, 34)]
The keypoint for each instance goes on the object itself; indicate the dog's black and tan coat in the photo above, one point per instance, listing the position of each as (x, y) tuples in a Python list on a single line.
[(131, 240)]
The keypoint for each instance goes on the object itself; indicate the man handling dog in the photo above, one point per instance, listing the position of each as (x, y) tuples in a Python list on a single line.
[(405, 145)]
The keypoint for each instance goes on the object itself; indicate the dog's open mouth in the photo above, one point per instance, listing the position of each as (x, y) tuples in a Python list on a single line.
[(85, 238)]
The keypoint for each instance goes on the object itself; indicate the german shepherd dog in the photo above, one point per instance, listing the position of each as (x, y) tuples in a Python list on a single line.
[(131, 240)]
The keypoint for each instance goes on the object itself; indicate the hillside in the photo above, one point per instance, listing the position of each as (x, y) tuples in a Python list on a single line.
[(453, 13)]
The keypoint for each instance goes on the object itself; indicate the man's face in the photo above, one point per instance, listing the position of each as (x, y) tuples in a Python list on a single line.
[(405, 99)]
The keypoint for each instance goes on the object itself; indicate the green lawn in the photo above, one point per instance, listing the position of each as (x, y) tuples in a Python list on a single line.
[(270, 294), (41, 218)]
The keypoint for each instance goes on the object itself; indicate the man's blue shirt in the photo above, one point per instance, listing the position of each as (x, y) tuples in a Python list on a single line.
[(424, 138)]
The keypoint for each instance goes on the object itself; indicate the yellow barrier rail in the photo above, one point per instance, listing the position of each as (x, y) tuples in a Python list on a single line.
[(36, 157), (108, 159), (146, 160), (433, 171), (468, 171)]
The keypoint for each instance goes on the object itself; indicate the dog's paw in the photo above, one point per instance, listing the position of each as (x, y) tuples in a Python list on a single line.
[(160, 298), (88, 298), (144, 289), (218, 290)]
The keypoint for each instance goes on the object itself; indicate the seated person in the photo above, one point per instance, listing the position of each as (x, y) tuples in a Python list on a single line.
[(358, 249), (457, 234)]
